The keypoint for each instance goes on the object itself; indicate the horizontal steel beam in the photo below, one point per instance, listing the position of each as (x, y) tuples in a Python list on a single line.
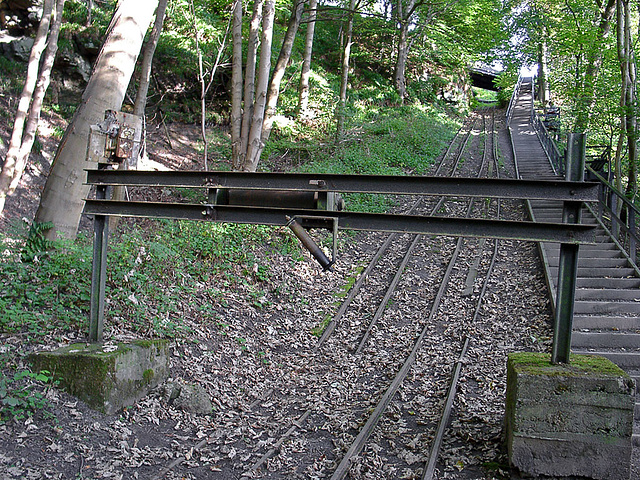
[(383, 184), (459, 227)]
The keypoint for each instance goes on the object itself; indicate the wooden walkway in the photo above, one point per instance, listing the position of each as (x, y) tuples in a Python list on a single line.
[(606, 318)]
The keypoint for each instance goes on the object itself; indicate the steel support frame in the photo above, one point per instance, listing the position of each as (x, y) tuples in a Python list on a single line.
[(568, 262), (375, 184), (568, 234), (456, 227), (99, 271)]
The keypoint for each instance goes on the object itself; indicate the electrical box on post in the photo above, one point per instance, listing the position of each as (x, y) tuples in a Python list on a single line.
[(115, 140)]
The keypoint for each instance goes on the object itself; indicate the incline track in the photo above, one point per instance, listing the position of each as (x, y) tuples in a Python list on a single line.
[(384, 374)]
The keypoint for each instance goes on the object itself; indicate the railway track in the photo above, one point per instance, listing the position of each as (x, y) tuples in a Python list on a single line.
[(375, 397)]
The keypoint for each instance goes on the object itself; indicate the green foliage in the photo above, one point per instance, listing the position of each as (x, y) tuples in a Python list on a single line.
[(22, 393), (37, 244), (46, 293), (386, 141), (49, 294)]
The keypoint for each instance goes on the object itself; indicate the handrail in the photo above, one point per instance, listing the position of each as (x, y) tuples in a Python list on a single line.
[(553, 152), (623, 227), (615, 212), (514, 96)]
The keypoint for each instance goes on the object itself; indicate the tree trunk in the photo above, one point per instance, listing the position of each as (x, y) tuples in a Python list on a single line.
[(255, 131), (630, 105), (147, 59), (543, 83), (401, 60), (344, 80), (303, 99), (253, 157), (624, 77), (62, 199), (586, 97), (140, 103), (249, 83), (236, 85), (17, 154)]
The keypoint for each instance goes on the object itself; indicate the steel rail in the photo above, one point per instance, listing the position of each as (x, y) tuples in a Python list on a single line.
[(372, 421), (329, 329), (382, 306), (359, 443), (379, 184), (434, 452), (327, 332)]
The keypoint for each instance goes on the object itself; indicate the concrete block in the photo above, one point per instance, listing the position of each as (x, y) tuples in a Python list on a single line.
[(107, 377), (569, 420)]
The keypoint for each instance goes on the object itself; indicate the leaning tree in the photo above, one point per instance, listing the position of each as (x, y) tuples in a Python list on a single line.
[(62, 200)]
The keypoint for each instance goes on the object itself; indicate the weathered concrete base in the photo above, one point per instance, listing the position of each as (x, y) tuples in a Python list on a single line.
[(107, 377), (569, 420)]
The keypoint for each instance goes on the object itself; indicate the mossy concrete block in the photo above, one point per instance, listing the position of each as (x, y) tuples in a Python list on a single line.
[(569, 420), (107, 377)]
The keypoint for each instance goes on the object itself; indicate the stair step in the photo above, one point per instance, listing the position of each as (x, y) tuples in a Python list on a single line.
[(606, 322), (624, 360), (617, 272), (595, 307), (612, 294), (589, 247), (596, 282), (589, 254), (585, 262), (605, 340)]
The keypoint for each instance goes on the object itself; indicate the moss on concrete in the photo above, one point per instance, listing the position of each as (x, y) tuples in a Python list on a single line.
[(533, 363), (107, 377)]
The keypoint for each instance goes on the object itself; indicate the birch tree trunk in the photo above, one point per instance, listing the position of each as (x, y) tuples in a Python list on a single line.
[(30, 104), (147, 59), (344, 80), (631, 126), (255, 131), (543, 84), (250, 81), (236, 85), (303, 99), (63, 196), (253, 156)]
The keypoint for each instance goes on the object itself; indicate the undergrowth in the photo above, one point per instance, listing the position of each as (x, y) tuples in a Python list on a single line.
[(151, 276), (383, 140)]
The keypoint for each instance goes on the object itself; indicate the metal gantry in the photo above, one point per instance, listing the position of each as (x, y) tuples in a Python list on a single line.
[(101, 208)]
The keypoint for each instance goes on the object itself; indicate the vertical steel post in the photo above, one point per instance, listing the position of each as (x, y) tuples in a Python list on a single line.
[(633, 246), (99, 272), (568, 267), (615, 225)]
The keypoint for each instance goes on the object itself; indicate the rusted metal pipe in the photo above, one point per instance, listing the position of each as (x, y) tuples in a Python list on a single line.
[(309, 244)]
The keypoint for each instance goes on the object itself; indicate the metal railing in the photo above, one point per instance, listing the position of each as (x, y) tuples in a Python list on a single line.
[(556, 157), (619, 216), (614, 211), (512, 102)]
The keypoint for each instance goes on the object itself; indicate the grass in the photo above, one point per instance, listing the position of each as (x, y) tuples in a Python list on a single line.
[(403, 140), (44, 288)]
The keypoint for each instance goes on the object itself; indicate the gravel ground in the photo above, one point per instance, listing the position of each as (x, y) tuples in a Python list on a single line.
[(283, 408)]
